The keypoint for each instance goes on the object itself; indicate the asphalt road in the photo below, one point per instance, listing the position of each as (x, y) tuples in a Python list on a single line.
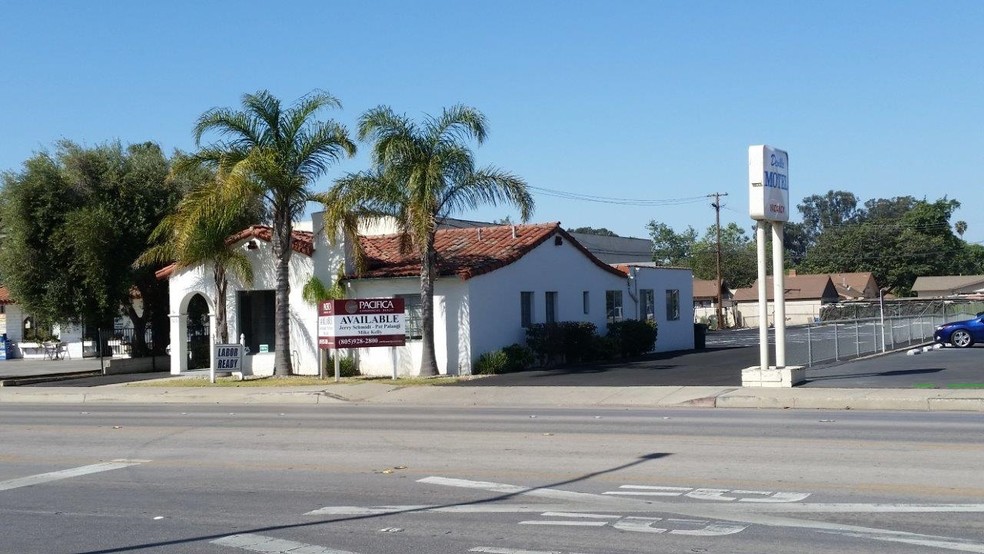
[(358, 479)]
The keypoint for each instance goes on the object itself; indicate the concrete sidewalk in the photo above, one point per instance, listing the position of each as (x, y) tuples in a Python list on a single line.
[(555, 397)]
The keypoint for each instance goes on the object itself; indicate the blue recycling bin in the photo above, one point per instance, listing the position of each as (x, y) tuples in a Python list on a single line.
[(4, 347)]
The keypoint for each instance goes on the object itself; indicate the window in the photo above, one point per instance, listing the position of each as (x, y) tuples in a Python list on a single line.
[(647, 305), (613, 305), (585, 301), (551, 306), (672, 304), (412, 315), (526, 308), (256, 319)]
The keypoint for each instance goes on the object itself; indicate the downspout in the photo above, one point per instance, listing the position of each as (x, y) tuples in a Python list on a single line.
[(629, 280)]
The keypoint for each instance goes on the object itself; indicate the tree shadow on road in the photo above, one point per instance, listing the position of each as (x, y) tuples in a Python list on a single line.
[(519, 491)]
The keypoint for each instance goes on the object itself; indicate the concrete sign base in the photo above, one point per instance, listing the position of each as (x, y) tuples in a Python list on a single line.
[(772, 377)]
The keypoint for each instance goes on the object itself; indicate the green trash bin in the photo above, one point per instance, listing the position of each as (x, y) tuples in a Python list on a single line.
[(700, 336)]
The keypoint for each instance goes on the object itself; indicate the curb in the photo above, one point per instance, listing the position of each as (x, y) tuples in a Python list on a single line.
[(935, 400)]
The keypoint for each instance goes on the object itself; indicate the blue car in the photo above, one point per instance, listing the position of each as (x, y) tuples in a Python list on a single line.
[(961, 334)]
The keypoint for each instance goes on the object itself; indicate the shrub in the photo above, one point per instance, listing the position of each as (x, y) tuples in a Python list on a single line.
[(491, 363), (514, 357), (519, 357), (546, 342), (346, 367), (566, 341), (632, 337)]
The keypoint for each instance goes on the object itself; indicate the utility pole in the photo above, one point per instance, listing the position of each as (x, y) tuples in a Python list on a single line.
[(721, 323)]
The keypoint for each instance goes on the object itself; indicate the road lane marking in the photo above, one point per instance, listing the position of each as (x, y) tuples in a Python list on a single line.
[(710, 494), (460, 509), (67, 473), (272, 545), (496, 550), (758, 514), (649, 490), (578, 514), (565, 523)]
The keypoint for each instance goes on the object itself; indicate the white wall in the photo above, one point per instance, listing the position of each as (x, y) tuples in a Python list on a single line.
[(448, 292), (798, 312), (675, 334), (303, 316), (494, 298)]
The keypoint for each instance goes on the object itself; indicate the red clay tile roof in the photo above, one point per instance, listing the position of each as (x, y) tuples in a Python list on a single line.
[(5, 296), (301, 241), (468, 252)]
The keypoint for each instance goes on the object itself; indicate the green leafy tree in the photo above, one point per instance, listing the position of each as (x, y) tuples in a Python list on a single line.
[(284, 151), (895, 243), (197, 232), (739, 265), (671, 248), (738, 260), (823, 212), (421, 174), (87, 212), (602, 232)]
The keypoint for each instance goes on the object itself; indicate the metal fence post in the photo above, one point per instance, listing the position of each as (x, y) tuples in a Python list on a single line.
[(809, 346), (836, 345), (857, 339), (891, 332)]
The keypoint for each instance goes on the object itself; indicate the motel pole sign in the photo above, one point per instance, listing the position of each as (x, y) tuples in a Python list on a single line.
[(768, 205)]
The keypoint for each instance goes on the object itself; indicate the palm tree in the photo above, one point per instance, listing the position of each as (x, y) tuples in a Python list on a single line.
[(284, 151), (422, 174), (197, 232), (961, 228)]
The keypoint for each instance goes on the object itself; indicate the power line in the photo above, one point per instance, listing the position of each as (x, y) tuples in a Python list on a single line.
[(614, 200)]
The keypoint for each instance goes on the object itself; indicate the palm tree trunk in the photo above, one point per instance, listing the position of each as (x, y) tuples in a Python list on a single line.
[(428, 263), (221, 319), (282, 227)]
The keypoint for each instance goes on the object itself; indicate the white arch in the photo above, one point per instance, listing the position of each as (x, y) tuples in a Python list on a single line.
[(179, 330)]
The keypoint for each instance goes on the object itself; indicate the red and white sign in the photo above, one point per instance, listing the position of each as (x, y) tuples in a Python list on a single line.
[(361, 323)]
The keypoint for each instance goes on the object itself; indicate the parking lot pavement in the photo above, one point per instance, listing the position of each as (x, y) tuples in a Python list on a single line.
[(710, 367), (943, 368)]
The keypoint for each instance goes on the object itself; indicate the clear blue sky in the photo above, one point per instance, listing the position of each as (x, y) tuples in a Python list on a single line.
[(651, 100)]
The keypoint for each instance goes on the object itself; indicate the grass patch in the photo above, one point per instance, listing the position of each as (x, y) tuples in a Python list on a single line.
[(950, 386), (290, 381)]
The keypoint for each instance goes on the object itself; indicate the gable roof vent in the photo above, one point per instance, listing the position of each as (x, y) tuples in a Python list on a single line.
[(558, 240)]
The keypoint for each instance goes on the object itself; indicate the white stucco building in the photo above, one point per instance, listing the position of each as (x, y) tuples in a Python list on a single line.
[(492, 281)]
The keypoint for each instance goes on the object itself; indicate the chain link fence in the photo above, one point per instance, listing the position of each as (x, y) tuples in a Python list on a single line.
[(904, 324)]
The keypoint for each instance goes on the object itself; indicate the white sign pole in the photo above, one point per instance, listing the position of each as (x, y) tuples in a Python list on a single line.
[(779, 293), (763, 297), (338, 364), (395, 358)]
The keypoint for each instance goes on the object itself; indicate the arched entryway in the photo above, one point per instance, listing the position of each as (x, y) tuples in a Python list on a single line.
[(198, 326), (191, 331)]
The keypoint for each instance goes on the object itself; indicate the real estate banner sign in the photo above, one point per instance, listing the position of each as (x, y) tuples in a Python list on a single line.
[(361, 323)]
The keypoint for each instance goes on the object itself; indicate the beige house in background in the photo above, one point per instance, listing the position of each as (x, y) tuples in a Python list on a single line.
[(805, 294), (705, 302), (937, 286), (855, 286)]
